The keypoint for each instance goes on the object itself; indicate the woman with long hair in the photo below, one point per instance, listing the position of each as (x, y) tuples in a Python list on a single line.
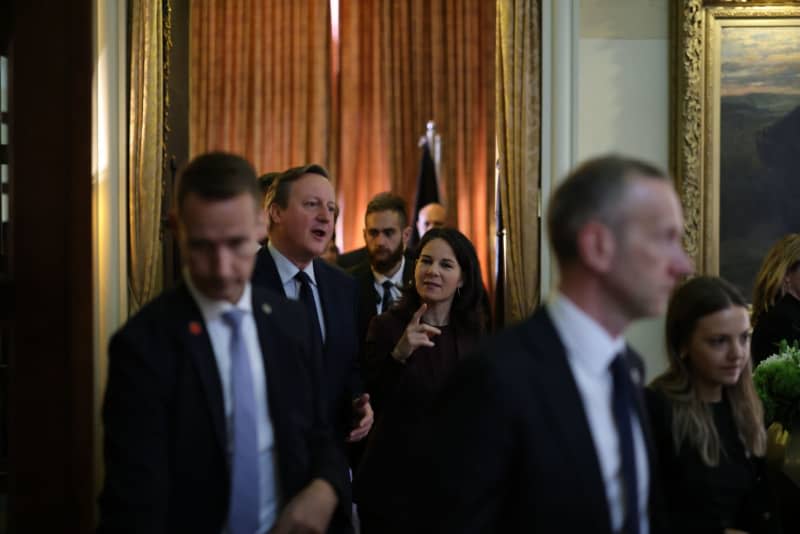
[(776, 298), (707, 418), (411, 350)]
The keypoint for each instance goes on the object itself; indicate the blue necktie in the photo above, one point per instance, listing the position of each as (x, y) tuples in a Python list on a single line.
[(307, 298), (387, 300), (622, 404), (243, 512)]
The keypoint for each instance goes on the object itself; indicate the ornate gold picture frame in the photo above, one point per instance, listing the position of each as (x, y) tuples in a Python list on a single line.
[(737, 75)]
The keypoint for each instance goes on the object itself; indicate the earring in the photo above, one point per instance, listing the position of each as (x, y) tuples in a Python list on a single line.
[(458, 291)]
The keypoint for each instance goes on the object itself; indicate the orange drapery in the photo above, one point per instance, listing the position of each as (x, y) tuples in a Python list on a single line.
[(260, 80), (261, 86), (402, 64)]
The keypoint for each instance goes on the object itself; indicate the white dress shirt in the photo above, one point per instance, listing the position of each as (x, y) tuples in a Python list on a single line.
[(590, 351), (397, 283), (291, 286), (220, 334)]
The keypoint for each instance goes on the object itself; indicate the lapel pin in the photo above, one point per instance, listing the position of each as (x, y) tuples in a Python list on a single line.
[(266, 308), (636, 377), (195, 328)]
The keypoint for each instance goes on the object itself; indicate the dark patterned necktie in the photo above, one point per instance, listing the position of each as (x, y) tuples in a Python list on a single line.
[(307, 298), (387, 300), (622, 405)]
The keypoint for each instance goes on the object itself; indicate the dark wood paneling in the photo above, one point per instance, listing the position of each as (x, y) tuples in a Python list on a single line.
[(51, 367)]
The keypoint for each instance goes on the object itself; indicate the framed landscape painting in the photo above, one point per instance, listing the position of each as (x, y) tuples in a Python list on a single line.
[(737, 131)]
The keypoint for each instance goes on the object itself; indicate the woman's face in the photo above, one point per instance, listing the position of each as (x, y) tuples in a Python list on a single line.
[(718, 351), (437, 274)]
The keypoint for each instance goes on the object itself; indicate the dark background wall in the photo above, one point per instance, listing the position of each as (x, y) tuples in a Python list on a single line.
[(50, 395)]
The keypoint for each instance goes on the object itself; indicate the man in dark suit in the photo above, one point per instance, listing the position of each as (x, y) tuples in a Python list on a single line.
[(211, 418), (386, 270), (348, 260), (301, 207), (544, 430)]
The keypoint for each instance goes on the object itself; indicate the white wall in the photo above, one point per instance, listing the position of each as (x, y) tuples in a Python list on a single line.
[(623, 104)]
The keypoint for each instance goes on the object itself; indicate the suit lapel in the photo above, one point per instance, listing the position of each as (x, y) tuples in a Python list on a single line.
[(266, 272), (193, 335), (568, 419), (269, 339), (326, 298)]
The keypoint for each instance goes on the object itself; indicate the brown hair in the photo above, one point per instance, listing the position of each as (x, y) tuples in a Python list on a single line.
[(692, 420), (278, 192), (387, 201), (216, 175)]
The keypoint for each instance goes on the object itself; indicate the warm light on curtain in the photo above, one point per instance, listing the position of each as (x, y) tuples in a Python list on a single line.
[(145, 139), (260, 80), (263, 83), (518, 140), (402, 64)]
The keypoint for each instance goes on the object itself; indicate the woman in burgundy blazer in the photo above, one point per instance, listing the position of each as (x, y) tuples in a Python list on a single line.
[(411, 350)]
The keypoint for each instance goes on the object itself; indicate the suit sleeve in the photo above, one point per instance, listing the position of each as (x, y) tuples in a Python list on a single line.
[(135, 495), (381, 371), (356, 382)]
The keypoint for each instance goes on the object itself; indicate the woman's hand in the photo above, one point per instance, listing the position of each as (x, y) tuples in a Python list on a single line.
[(417, 334)]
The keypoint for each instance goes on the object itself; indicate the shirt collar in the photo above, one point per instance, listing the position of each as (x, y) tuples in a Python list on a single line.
[(396, 278), (587, 343), (212, 309), (286, 269)]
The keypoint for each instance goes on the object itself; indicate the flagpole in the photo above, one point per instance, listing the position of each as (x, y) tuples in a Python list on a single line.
[(500, 260)]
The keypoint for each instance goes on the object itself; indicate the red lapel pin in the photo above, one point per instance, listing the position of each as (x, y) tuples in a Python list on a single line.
[(195, 328)]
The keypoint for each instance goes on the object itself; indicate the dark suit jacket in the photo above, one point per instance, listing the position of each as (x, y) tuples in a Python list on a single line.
[(165, 430), (351, 258), (513, 449), (369, 297), (339, 297)]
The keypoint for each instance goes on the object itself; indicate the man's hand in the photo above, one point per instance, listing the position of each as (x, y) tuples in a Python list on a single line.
[(309, 512), (362, 412)]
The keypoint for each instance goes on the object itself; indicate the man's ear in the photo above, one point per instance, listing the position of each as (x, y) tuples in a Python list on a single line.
[(597, 246), (274, 213), (406, 235), (364, 234)]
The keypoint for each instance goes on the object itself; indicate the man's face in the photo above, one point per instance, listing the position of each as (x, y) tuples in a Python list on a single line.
[(218, 240), (649, 258), (302, 230), (431, 216), (386, 240)]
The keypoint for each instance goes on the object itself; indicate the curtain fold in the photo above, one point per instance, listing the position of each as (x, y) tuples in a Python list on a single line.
[(259, 81), (145, 156), (260, 85), (404, 63), (518, 143)]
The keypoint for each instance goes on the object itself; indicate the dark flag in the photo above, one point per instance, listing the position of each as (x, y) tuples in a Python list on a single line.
[(427, 189)]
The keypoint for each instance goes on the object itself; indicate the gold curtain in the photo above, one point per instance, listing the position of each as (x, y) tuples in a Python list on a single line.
[(518, 141), (259, 80), (145, 151), (402, 64)]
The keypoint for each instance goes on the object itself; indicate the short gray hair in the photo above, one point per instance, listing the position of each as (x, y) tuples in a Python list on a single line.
[(594, 190)]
